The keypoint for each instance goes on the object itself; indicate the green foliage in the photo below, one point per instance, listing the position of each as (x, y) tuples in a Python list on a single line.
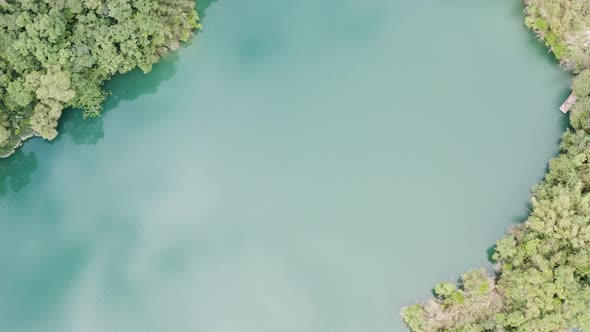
[(579, 117), (455, 297), (444, 289), (560, 50), (581, 84), (4, 136), (476, 282), (563, 26), (57, 54), (415, 318), (543, 266), (540, 24), (542, 281), (471, 307)]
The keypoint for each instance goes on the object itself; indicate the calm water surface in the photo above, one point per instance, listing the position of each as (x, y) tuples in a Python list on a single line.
[(305, 166)]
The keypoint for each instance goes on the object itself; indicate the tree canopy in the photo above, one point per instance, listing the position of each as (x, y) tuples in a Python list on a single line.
[(564, 26), (57, 54), (542, 276)]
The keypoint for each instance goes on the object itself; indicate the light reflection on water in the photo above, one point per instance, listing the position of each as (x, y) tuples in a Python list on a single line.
[(300, 166)]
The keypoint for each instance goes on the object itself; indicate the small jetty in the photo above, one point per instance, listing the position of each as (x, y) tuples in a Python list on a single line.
[(567, 104)]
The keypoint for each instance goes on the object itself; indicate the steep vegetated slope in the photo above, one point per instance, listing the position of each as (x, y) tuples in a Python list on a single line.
[(57, 54), (542, 278), (564, 26)]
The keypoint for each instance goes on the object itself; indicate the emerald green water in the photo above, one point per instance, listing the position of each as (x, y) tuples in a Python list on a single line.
[(305, 166)]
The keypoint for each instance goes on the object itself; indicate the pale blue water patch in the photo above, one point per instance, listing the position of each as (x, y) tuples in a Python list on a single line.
[(299, 166)]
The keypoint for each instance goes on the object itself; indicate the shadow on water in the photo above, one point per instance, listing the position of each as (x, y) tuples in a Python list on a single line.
[(30, 301), (202, 6), (490, 254), (15, 171), (125, 87)]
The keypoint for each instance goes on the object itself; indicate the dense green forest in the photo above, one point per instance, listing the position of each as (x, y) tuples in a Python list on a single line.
[(564, 26), (57, 54), (542, 277)]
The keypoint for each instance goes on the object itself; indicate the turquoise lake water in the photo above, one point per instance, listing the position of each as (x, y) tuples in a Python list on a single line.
[(304, 166)]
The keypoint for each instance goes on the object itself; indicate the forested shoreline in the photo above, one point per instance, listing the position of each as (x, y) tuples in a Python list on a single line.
[(57, 54), (542, 275)]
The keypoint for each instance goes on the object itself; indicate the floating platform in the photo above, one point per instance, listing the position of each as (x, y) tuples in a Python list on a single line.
[(567, 104)]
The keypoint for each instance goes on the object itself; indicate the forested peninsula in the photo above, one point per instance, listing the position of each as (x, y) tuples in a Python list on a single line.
[(57, 54), (542, 272)]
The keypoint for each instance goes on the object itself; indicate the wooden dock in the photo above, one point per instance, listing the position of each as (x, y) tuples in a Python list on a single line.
[(567, 104)]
